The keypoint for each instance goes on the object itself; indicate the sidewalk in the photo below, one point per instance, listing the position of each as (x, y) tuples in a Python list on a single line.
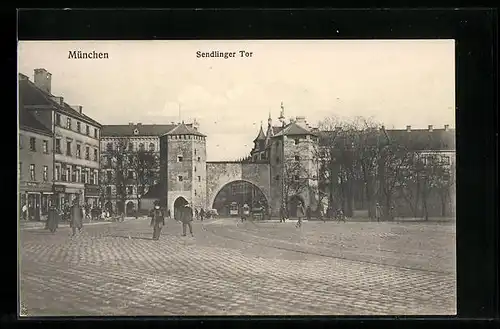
[(41, 224)]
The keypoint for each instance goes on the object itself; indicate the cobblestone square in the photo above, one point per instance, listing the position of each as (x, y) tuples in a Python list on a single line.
[(232, 268)]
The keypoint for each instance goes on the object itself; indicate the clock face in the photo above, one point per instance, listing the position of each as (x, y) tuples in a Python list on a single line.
[(136, 132)]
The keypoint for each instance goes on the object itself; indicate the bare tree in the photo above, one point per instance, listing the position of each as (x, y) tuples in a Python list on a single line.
[(144, 166), (296, 180), (113, 159)]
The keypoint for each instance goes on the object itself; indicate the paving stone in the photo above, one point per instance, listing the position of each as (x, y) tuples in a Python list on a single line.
[(232, 268)]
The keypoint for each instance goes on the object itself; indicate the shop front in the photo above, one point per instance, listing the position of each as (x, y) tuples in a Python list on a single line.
[(59, 195), (35, 196), (92, 195)]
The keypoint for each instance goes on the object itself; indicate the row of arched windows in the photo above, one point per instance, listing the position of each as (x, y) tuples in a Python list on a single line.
[(130, 147)]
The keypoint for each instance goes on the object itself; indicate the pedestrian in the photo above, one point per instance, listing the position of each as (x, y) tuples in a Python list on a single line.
[(308, 213), (169, 213), (245, 212), (196, 214), (340, 215), (186, 219), (53, 218), (157, 220), (300, 214), (76, 214), (202, 214), (24, 211), (378, 212)]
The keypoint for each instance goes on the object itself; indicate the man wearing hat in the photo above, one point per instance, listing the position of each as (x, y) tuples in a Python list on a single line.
[(186, 219), (157, 220), (76, 216)]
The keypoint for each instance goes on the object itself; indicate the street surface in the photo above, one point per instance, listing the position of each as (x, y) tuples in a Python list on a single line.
[(232, 268)]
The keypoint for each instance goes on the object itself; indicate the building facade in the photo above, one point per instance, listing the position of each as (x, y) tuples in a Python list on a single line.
[(75, 141), (35, 171)]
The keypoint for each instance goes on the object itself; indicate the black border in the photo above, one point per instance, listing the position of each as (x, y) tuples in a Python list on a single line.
[(475, 32)]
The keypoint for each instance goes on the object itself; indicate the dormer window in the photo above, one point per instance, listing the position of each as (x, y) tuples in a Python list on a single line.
[(136, 131)]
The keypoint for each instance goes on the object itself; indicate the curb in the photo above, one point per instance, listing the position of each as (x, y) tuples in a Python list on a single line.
[(41, 225)]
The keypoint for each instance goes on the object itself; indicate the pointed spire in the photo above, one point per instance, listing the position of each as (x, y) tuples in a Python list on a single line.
[(282, 114)]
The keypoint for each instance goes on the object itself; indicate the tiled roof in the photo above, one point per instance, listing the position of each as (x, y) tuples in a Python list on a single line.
[(183, 129), (28, 120), (128, 130), (31, 95), (260, 136), (294, 129), (276, 130)]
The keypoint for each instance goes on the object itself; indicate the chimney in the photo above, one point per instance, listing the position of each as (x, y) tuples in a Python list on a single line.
[(408, 128), (446, 127), (58, 99), (23, 77), (430, 128), (77, 108), (43, 80), (130, 123)]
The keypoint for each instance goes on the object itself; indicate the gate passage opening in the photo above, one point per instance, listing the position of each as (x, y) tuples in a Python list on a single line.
[(231, 198)]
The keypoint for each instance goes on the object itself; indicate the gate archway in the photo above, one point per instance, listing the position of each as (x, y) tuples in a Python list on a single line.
[(130, 208), (239, 192), (179, 203)]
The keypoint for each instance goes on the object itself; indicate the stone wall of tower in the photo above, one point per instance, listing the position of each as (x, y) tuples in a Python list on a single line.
[(276, 173), (185, 174)]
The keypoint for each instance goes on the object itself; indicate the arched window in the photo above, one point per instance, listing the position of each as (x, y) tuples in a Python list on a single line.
[(141, 146), (109, 146), (151, 147)]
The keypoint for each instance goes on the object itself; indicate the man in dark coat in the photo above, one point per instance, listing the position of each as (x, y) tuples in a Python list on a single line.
[(157, 221), (202, 214), (186, 219), (53, 217), (76, 217)]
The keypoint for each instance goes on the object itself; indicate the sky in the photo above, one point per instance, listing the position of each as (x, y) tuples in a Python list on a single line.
[(395, 82)]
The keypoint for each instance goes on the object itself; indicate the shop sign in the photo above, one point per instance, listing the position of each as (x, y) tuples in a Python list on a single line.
[(91, 190), (59, 188)]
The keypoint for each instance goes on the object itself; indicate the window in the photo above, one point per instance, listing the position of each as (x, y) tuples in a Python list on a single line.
[(96, 177), (87, 153), (108, 160), (195, 193), (277, 177), (296, 177), (96, 134), (108, 190), (151, 147), (32, 144), (68, 174), (180, 178), (141, 146), (92, 176), (45, 173), (78, 126), (199, 178), (446, 160), (109, 146), (297, 158), (194, 169), (58, 173), (73, 175), (95, 155), (68, 148), (45, 146), (58, 119), (84, 176), (87, 130), (130, 174), (109, 175), (68, 123), (32, 172), (78, 151), (277, 159), (21, 141), (195, 152), (199, 159), (131, 147), (179, 158), (296, 141), (130, 190), (20, 170), (58, 146)]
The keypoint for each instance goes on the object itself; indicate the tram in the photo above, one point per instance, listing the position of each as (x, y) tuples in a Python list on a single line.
[(233, 209)]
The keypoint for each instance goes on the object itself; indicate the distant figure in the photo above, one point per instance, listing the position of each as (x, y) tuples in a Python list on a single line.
[(169, 214), (76, 213), (202, 214), (245, 212), (378, 212), (282, 214), (308, 213), (24, 211), (53, 218), (300, 214), (196, 214), (186, 219), (157, 221), (340, 215)]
